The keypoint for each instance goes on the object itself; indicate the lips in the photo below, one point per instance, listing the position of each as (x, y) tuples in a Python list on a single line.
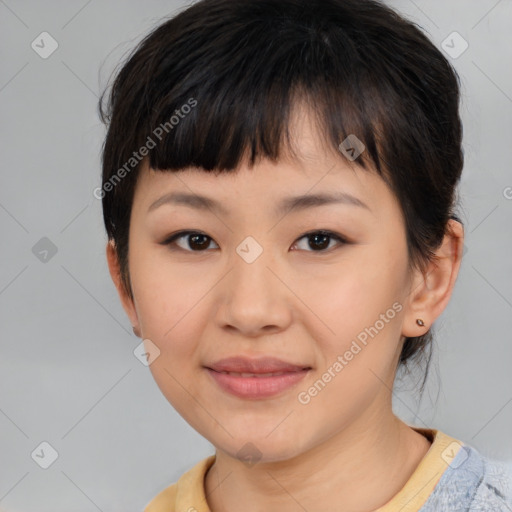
[(260, 375), (256, 379), (260, 367)]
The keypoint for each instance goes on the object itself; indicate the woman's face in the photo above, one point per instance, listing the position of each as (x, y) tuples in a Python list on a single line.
[(255, 286)]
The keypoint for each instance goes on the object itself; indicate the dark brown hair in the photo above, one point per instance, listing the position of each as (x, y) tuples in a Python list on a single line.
[(218, 81)]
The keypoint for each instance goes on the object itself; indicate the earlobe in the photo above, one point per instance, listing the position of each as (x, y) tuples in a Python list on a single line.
[(115, 274), (431, 290)]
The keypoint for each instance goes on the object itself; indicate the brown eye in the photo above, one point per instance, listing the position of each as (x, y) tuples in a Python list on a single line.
[(195, 241), (319, 241)]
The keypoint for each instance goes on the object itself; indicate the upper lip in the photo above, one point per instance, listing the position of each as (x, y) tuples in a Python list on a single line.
[(240, 364)]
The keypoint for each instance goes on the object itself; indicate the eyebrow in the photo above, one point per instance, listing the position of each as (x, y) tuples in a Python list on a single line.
[(287, 205)]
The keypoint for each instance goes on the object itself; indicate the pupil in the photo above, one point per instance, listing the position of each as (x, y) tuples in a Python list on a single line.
[(193, 240), (324, 237)]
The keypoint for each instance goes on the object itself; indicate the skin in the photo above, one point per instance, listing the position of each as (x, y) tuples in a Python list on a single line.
[(345, 450)]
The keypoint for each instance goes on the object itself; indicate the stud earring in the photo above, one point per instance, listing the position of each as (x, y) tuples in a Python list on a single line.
[(420, 322)]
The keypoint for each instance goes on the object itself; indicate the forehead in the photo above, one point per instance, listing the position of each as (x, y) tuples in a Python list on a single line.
[(308, 165), (271, 190)]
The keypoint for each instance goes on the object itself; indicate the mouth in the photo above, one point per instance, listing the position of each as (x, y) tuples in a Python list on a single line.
[(255, 366), (257, 375), (257, 386)]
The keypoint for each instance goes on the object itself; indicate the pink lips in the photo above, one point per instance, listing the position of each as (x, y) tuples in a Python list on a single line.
[(252, 378)]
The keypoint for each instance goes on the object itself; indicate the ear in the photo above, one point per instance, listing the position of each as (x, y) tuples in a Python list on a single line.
[(115, 274), (431, 291)]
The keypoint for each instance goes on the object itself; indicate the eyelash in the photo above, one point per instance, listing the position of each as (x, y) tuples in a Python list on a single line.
[(182, 234)]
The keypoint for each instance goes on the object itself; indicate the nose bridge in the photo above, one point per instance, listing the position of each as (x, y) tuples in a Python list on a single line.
[(252, 295), (250, 263)]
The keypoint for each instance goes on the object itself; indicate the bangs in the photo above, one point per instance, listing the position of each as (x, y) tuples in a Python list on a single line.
[(217, 106)]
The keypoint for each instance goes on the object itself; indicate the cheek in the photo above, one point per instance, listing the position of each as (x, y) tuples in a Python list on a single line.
[(168, 299), (357, 291), (360, 311), (172, 316)]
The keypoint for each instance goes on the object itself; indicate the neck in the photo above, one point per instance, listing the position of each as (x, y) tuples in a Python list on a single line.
[(359, 470)]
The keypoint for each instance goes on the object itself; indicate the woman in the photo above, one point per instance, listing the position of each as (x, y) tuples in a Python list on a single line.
[(278, 190)]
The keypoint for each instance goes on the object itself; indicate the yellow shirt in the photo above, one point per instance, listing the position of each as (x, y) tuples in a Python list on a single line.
[(188, 494)]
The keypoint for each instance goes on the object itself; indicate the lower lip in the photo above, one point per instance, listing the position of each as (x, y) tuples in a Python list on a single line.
[(257, 387)]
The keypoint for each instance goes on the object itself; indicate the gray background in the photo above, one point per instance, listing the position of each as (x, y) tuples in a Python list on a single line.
[(68, 375)]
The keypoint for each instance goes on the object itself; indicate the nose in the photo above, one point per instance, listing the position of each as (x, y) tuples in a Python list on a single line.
[(253, 298)]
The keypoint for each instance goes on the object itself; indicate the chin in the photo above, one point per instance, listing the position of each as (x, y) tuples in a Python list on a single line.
[(257, 450)]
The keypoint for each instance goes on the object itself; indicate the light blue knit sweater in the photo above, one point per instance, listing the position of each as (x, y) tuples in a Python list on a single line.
[(472, 483)]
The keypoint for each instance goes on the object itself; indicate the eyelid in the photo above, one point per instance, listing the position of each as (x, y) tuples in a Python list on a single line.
[(182, 234)]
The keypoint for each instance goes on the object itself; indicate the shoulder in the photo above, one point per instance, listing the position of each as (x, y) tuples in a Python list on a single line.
[(164, 501), (187, 494), (473, 483), (495, 486)]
